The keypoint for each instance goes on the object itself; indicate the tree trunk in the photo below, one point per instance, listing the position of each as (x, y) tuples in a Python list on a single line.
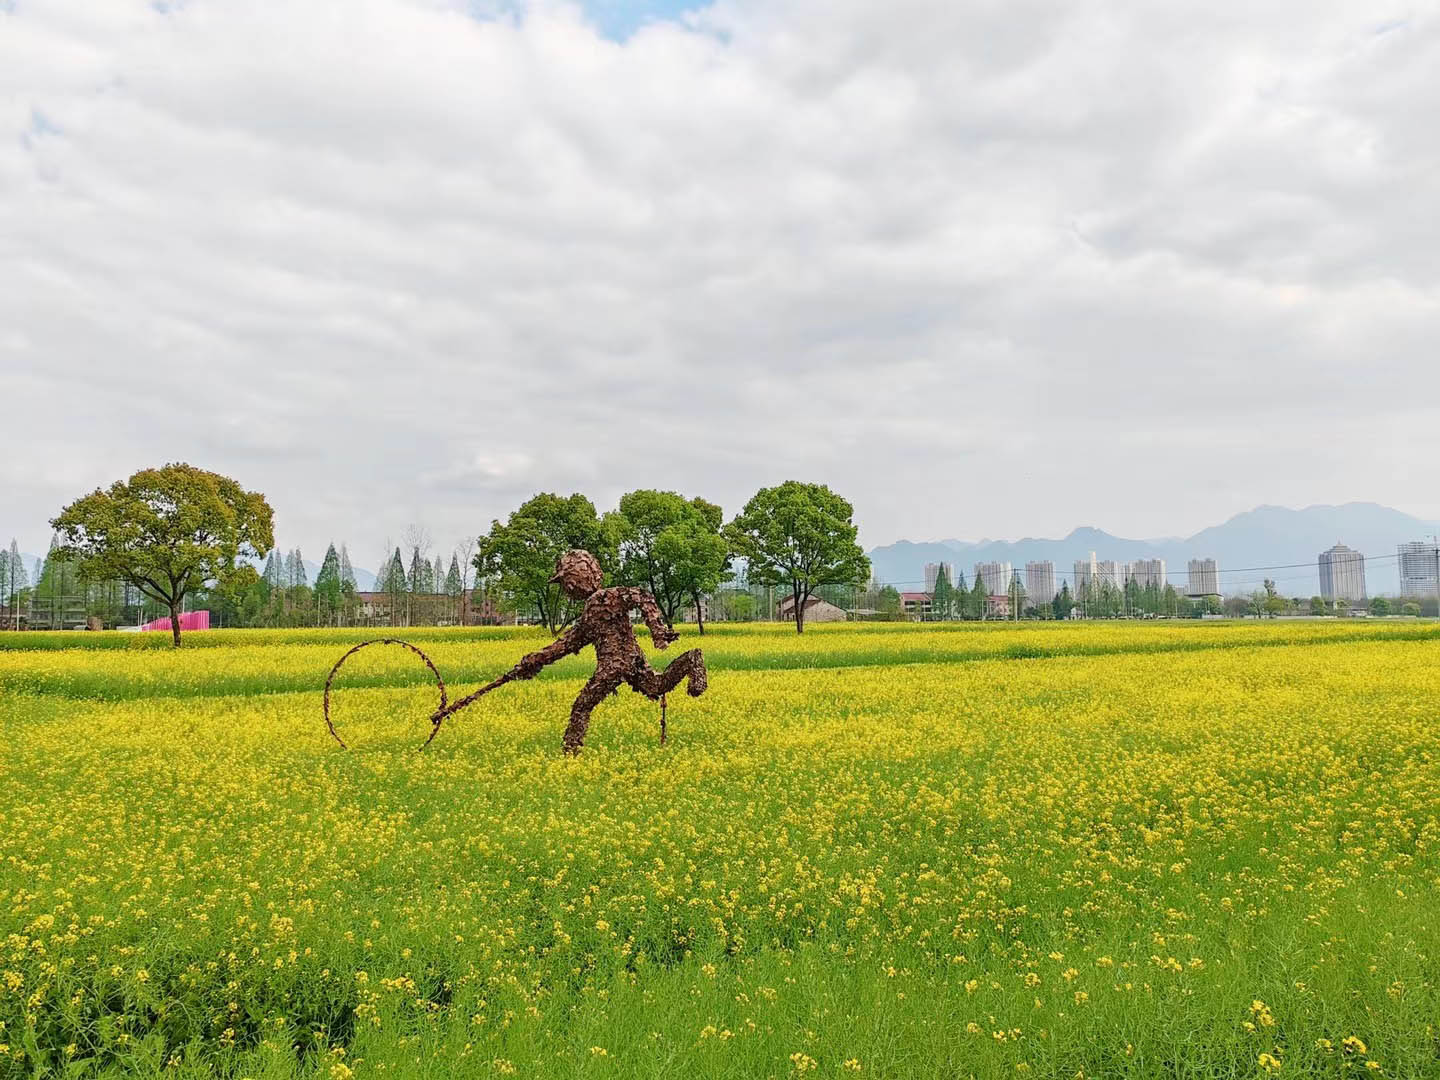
[(800, 611), (699, 614), (175, 624)]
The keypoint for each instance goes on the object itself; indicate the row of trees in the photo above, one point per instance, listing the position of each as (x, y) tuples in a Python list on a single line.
[(172, 532), (795, 536), (14, 583)]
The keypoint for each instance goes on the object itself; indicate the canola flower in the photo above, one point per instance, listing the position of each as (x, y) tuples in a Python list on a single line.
[(1052, 851)]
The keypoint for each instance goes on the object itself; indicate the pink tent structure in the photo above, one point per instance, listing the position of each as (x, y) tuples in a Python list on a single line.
[(190, 620)]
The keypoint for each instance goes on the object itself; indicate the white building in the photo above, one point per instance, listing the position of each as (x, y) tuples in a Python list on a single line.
[(996, 576), (1087, 572), (1147, 572), (1204, 578), (1112, 573), (932, 574), (1342, 574), (1419, 563), (1040, 582)]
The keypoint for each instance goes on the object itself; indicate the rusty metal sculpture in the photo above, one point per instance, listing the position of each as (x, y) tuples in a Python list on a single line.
[(604, 623)]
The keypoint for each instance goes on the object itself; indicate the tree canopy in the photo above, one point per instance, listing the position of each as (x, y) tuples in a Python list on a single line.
[(519, 555), (166, 531), (671, 546), (802, 536)]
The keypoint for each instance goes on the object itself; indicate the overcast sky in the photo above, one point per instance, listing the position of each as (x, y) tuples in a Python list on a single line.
[(988, 269)]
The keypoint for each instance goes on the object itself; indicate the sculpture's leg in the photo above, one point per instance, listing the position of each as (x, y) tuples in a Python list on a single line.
[(691, 665), (590, 695)]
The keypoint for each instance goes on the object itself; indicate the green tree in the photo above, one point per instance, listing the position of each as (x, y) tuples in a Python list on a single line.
[(887, 601), (699, 555), (520, 554), (1272, 603), (942, 604), (6, 579), (1063, 603), (800, 536), (1412, 609), (1379, 606), (328, 586), (1317, 606), (421, 573), (671, 547), (166, 531), (979, 599), (1016, 596), (454, 583)]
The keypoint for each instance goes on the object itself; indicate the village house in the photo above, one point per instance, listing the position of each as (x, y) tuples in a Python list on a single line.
[(816, 610)]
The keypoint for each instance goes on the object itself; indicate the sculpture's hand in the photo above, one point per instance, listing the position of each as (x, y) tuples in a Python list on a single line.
[(666, 639)]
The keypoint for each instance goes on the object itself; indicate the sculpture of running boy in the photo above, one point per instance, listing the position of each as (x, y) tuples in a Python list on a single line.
[(605, 623)]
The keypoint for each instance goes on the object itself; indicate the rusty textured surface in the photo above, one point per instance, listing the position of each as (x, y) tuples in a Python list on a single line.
[(605, 624)]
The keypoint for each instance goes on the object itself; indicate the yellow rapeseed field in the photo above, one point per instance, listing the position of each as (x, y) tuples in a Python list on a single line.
[(899, 851)]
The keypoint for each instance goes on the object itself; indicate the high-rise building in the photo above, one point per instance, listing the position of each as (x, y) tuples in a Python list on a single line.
[(1147, 572), (995, 575), (1087, 573), (1419, 564), (1113, 573), (1204, 578), (1342, 574), (932, 574), (1040, 582)]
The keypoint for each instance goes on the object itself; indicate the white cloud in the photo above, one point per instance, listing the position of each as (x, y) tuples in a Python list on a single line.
[(986, 268)]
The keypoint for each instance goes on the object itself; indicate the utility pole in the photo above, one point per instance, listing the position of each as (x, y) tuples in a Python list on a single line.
[(1436, 540)]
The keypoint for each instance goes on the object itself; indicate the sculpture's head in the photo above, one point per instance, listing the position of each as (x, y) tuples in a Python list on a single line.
[(578, 573)]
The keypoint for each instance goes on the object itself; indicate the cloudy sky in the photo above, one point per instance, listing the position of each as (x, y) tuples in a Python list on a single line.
[(989, 269)]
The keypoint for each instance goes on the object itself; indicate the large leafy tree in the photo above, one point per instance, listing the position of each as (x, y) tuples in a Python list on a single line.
[(700, 555), (800, 536), (166, 531), (671, 546), (519, 555)]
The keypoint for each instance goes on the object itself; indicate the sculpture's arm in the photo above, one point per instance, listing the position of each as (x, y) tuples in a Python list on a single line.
[(567, 644), (660, 631)]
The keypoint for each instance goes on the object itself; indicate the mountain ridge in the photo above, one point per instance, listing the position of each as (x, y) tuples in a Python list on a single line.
[(1286, 541)]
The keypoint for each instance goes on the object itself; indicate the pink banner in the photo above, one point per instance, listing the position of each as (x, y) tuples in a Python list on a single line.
[(190, 620)]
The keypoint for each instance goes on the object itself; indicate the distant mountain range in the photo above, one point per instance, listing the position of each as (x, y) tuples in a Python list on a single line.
[(1269, 539)]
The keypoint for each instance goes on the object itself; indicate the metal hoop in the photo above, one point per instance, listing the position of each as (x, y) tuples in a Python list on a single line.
[(440, 713)]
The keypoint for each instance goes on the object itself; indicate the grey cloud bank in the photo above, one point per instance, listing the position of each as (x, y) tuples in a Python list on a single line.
[(986, 269)]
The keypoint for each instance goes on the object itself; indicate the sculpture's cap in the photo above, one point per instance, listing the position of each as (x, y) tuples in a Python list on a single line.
[(579, 571)]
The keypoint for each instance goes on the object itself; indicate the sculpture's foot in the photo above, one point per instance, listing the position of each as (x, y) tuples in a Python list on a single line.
[(699, 679)]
